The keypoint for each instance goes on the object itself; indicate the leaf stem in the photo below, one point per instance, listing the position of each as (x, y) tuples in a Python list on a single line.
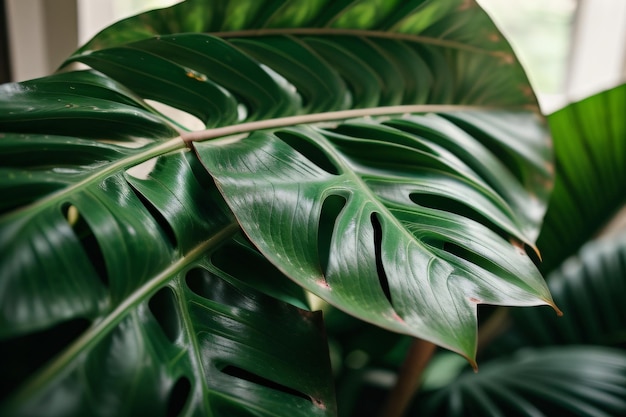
[(493, 327), (326, 31), (201, 135), (409, 378)]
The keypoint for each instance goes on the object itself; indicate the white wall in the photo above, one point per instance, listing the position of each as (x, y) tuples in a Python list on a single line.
[(41, 35), (598, 56)]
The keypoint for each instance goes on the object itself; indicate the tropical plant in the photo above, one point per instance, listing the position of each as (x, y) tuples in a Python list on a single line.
[(383, 161)]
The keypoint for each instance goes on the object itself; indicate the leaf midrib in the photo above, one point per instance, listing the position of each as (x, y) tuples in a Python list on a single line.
[(186, 138), (100, 329), (358, 32), (214, 133), (101, 174)]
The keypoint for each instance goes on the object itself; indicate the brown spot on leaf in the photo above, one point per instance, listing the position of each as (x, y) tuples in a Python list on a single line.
[(526, 90), (196, 75), (318, 403), (519, 246), (466, 5), (396, 317), (323, 283), (475, 300), (507, 59)]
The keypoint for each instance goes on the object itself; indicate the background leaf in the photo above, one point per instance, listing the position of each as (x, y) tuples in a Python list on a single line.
[(541, 382), (589, 287), (79, 104), (589, 142)]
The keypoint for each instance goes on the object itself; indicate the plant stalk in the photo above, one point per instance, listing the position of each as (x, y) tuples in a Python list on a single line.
[(493, 327), (409, 378)]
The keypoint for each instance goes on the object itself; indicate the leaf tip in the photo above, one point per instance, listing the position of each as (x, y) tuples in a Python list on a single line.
[(552, 304), (558, 311), (472, 362), (537, 252), (470, 358)]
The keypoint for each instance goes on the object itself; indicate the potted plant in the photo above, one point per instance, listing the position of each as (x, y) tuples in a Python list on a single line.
[(385, 163)]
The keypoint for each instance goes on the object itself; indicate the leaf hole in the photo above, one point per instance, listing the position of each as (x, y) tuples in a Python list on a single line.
[(184, 119), (480, 261), (505, 155), (242, 111), (200, 282), (240, 373), (212, 287), (163, 308), (241, 259), (87, 240), (331, 208), (309, 151), (158, 217), (530, 252), (380, 268), (23, 355), (143, 170), (178, 397), (449, 205)]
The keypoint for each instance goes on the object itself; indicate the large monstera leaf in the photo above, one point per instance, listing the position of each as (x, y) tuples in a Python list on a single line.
[(373, 217), (142, 303), (401, 195)]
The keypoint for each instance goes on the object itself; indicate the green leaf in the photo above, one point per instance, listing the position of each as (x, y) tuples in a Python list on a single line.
[(442, 51), (563, 381), (590, 151), (78, 104), (372, 218), (167, 300), (590, 289), (110, 215), (192, 339)]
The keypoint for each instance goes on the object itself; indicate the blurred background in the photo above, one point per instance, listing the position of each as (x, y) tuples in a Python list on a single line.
[(568, 47)]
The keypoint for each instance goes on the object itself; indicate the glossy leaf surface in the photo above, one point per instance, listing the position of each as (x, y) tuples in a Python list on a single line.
[(162, 323), (362, 53), (372, 218), (110, 217), (202, 344)]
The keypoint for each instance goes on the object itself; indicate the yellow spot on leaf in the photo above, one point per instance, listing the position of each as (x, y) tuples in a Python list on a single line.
[(196, 75)]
